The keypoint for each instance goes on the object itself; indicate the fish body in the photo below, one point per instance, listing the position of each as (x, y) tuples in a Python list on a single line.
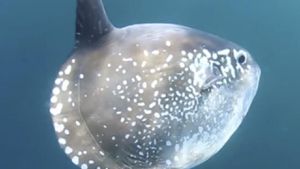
[(149, 95)]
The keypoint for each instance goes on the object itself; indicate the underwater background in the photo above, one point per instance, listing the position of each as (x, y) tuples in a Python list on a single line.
[(36, 37)]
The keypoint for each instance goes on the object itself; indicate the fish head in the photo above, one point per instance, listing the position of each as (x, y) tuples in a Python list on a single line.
[(227, 78), (235, 74)]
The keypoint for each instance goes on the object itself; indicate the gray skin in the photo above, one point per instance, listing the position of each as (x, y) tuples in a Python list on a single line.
[(149, 96)]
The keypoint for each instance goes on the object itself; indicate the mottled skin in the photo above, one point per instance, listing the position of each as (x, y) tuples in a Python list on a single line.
[(152, 96)]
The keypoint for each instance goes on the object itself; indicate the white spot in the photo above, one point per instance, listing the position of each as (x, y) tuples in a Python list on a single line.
[(183, 52), (65, 120), (73, 60), (169, 143), (154, 83), (65, 85), (62, 141), (68, 70), (127, 136), (168, 43), (81, 76), (152, 70), (113, 138), (147, 111), (101, 153), (224, 52), (54, 99), (190, 55), (75, 160), (152, 105), (141, 104), (157, 115), (144, 85), (199, 55), (206, 53), (168, 162), (58, 81), (84, 166), (69, 99), (138, 78), (141, 91), (143, 64), (77, 123), (182, 65), (169, 58), (184, 59), (134, 63), (139, 116), (56, 91), (133, 123), (127, 59), (59, 127), (146, 53), (119, 87), (122, 120), (155, 52), (215, 56), (68, 150), (107, 79), (67, 132), (57, 110), (129, 108)]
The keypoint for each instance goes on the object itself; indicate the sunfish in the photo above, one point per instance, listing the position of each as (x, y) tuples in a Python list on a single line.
[(148, 96)]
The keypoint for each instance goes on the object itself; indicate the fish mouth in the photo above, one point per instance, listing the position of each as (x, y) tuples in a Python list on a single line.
[(212, 83), (243, 89), (214, 78)]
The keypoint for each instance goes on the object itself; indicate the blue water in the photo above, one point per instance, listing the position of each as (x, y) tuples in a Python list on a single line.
[(37, 36)]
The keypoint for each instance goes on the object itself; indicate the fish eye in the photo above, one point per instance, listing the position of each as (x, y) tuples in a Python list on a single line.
[(242, 59)]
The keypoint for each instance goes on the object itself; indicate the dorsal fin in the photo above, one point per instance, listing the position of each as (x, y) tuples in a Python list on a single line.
[(91, 22)]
